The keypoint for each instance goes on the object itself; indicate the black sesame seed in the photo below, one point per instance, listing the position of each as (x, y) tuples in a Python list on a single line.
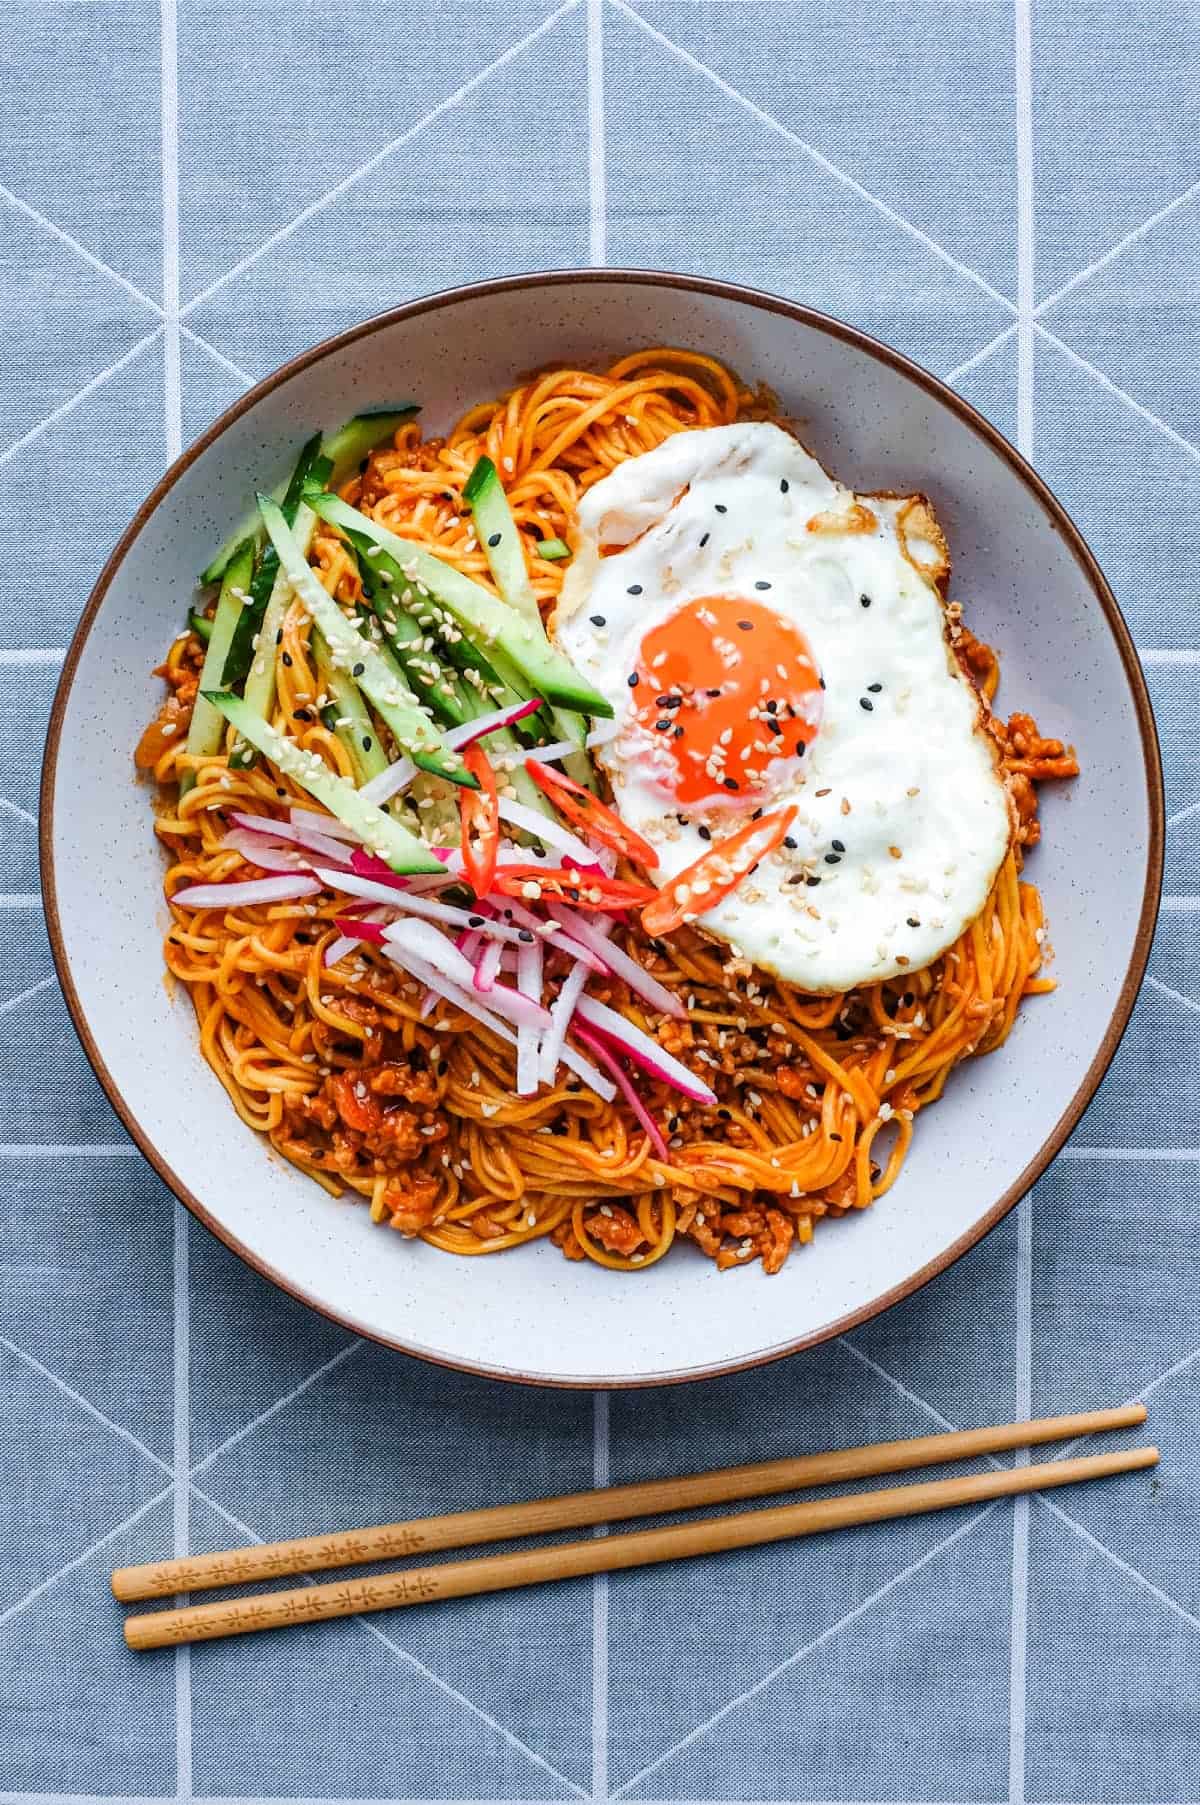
[(762, 585), (525, 935), (757, 815), (865, 702), (834, 1137), (837, 846), (812, 882), (874, 688), (783, 485), (633, 679), (721, 508), (772, 725), (279, 637), (704, 833), (864, 601), (494, 540), (704, 541), (771, 707), (790, 842), (368, 742), (712, 692), (662, 726), (368, 592), (301, 714), (597, 620), (677, 734), (287, 659), (634, 589), (726, 1115), (913, 922), (821, 681), (747, 626), (474, 921), (730, 783), (280, 792), (358, 670), (801, 748), (833, 858)]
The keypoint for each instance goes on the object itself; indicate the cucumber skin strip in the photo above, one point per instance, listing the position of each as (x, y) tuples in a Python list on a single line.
[(348, 700), (206, 728), (485, 495), (381, 681), (387, 838), (260, 683)]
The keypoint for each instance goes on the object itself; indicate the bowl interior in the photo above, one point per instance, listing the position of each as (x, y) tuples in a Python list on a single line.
[(532, 1314)]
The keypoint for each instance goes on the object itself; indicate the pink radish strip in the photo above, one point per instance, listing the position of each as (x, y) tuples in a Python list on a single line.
[(426, 906), (561, 1011), (653, 1132), (642, 1050), (359, 930), (470, 731), (546, 930), (430, 944), (451, 992), (529, 983), (559, 749), (248, 892), (323, 824), (258, 850), (488, 965), (290, 832), (548, 832), (619, 962), (389, 783)]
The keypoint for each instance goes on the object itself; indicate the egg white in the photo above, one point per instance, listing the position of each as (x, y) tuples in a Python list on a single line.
[(910, 786)]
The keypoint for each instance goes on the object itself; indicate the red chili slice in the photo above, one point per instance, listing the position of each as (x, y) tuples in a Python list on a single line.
[(592, 816), (716, 873), (479, 812)]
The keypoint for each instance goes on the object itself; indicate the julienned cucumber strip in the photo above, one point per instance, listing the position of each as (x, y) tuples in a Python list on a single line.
[(358, 438), (207, 729), (396, 601), (346, 448), (348, 715), (378, 678), (497, 532), (553, 549), (311, 468), (200, 624), (490, 622), (386, 838), (260, 680)]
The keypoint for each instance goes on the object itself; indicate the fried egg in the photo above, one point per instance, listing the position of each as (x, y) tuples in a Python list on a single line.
[(768, 638)]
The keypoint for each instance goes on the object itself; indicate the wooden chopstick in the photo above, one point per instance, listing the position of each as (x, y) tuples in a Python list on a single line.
[(607, 1554), (616, 1504)]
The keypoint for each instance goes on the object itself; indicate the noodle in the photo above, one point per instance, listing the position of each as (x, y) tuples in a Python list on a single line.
[(419, 1115)]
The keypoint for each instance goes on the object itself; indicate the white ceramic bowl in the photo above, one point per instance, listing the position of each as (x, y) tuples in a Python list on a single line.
[(1033, 590)]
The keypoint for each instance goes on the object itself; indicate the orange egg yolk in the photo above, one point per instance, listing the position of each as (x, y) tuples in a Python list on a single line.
[(726, 686)]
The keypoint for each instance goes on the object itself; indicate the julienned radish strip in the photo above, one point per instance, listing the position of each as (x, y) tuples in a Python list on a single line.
[(487, 966), (645, 1052), (246, 891), (561, 1011), (529, 983), (619, 963), (398, 776), (350, 884), (256, 849), (554, 936), (600, 1051), (314, 839), (428, 942), (549, 832), (323, 824)]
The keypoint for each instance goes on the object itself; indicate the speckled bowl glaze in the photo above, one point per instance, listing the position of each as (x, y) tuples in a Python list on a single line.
[(1033, 589)]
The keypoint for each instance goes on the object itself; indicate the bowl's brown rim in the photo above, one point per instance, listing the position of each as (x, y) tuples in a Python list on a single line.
[(983, 430)]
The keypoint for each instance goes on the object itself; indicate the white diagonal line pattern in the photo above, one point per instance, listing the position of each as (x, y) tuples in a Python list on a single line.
[(89, 388), (372, 163), (1106, 382), (280, 1404), (80, 250), (10, 1003), (18, 814), (1118, 250), (816, 156), (1176, 996), (803, 1654)]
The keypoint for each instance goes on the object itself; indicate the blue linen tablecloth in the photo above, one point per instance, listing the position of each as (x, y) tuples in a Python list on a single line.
[(188, 194)]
